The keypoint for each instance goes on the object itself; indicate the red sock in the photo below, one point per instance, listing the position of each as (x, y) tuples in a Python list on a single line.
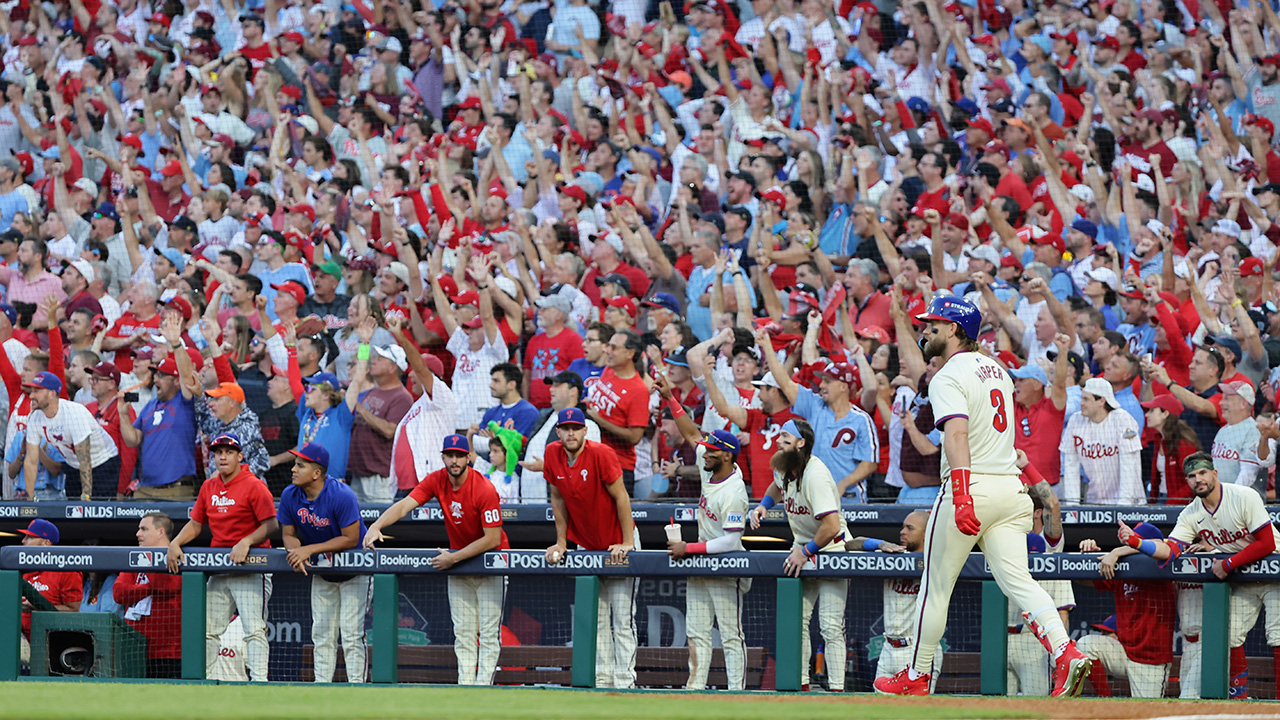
[(1239, 670), (1275, 667), (1098, 678)]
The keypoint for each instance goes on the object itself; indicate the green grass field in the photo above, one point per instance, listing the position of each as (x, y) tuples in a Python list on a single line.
[(35, 700)]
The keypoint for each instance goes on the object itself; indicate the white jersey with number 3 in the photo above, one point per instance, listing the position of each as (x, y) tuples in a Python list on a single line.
[(974, 386), (1230, 527)]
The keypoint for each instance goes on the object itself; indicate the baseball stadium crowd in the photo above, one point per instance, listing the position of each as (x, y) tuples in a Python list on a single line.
[(332, 239)]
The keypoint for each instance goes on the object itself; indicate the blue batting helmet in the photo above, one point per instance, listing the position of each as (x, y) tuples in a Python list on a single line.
[(950, 308)]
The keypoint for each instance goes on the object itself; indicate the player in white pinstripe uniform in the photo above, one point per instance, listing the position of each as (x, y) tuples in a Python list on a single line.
[(721, 512)]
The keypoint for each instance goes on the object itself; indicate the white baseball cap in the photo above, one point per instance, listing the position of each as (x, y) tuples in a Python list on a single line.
[(1104, 275), (1101, 388), (83, 267), (767, 381), (395, 354)]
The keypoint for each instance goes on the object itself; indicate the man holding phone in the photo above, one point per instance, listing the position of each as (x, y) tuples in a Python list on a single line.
[(164, 432), (104, 383)]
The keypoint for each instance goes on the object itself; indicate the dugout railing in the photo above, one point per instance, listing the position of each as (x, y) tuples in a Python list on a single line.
[(584, 570)]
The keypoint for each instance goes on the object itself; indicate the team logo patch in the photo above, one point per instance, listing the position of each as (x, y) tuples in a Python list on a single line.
[(1130, 434), (733, 519)]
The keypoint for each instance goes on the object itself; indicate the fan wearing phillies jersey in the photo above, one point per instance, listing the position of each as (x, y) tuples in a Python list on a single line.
[(900, 594), (1140, 646), (319, 516), (1226, 518), (721, 509), (1103, 440), (473, 521), (240, 513), (983, 502), (619, 402), (593, 510)]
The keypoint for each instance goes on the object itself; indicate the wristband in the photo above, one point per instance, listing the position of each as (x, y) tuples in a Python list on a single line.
[(698, 548), (677, 410), (1033, 474), (1236, 302), (810, 548), (871, 544), (767, 502), (362, 352), (1227, 564), (960, 482), (1142, 545)]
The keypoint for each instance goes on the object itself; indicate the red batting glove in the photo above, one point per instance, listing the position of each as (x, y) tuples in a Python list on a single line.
[(962, 501)]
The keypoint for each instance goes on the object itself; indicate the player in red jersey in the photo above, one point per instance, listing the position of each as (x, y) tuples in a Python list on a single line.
[(473, 521), (153, 601), (619, 402), (237, 507), (64, 589), (592, 508)]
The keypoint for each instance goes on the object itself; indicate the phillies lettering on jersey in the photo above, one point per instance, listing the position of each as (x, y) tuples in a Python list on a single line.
[(905, 586), (1095, 450), (221, 502), (705, 508), (1224, 537), (846, 436), (39, 585), (795, 508), (306, 517)]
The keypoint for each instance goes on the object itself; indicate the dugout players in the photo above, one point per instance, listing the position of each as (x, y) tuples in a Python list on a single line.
[(473, 521), (153, 601), (241, 514), (319, 516), (1225, 518), (721, 510), (982, 502), (65, 590), (593, 510), (809, 494)]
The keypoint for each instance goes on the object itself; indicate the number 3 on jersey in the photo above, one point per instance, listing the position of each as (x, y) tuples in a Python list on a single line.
[(1001, 421)]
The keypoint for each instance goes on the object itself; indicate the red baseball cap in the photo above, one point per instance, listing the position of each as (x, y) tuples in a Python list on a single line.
[(293, 289), (161, 18), (471, 103), (776, 197), (575, 192), (181, 304), (1250, 266), (1109, 42), (134, 142), (1053, 239), (956, 220), (842, 371), (303, 209), (984, 125), (626, 304), (172, 169)]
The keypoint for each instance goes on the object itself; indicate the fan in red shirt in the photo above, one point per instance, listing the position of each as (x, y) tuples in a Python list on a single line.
[(133, 329), (254, 49), (64, 589), (619, 402), (237, 507), (153, 601), (593, 510), (104, 382), (762, 426), (1144, 141), (473, 521)]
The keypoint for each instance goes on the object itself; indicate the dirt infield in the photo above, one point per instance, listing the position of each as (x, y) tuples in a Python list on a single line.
[(1066, 709)]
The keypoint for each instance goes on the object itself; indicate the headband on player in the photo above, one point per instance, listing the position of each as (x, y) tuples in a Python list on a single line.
[(1196, 464), (791, 429)]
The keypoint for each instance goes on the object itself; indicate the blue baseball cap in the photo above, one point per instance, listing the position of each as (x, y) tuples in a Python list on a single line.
[(919, 104), (45, 380), (678, 357), (42, 529), (1031, 371), (571, 416), (230, 440), (10, 312), (456, 443), (1108, 625), (174, 256), (722, 440), (1036, 543), (1147, 531), (663, 300), (1085, 226), (312, 452), (323, 378)]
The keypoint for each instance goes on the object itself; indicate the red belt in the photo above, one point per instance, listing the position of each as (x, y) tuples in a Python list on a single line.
[(1191, 638), (897, 642), (1015, 629)]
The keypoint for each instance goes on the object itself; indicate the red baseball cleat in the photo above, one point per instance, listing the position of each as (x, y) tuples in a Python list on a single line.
[(902, 684), (1070, 671)]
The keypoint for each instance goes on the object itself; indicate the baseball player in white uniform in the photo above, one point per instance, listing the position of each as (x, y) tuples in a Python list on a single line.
[(1105, 441), (809, 494), (722, 510), (982, 502), (900, 600), (229, 664), (1224, 518)]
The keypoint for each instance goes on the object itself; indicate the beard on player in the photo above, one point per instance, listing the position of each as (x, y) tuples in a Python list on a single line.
[(713, 462), (789, 464), (455, 463)]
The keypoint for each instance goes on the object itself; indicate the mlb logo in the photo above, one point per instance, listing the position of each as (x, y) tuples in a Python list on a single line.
[(685, 514), (497, 561), (1187, 566), (1071, 517), (143, 558), (75, 512)]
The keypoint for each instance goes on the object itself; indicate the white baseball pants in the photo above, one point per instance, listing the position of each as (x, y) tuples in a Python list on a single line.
[(830, 596), (1190, 612), (475, 604), (719, 599), (895, 659), (1028, 671), (247, 595), (340, 607), (1145, 681), (616, 633), (1247, 601), (1004, 510)]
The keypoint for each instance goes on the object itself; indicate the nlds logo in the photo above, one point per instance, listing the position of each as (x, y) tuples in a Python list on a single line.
[(77, 512), (146, 558)]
